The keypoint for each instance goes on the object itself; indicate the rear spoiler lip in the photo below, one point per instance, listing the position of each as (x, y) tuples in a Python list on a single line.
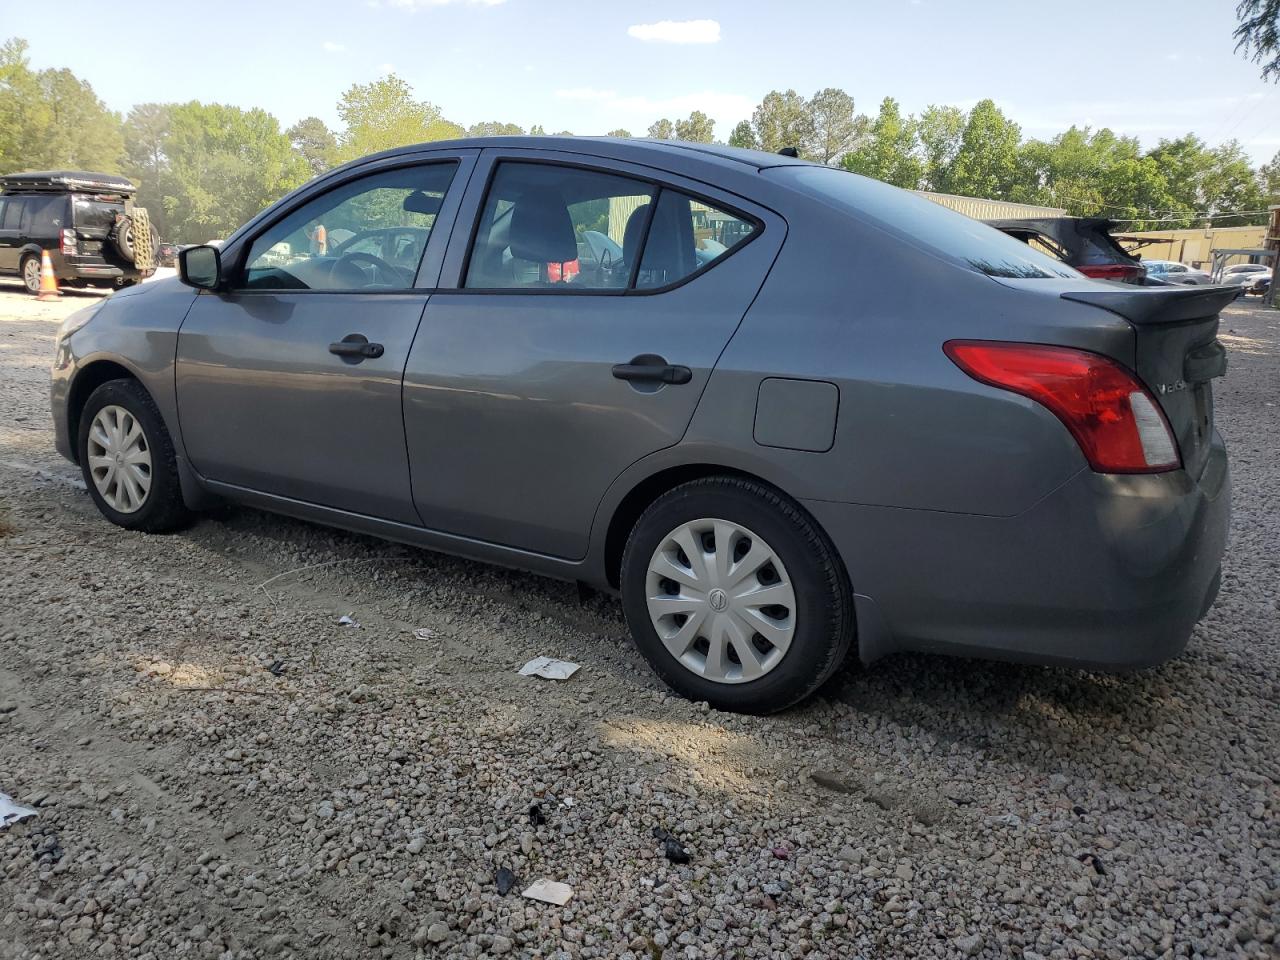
[(1149, 306)]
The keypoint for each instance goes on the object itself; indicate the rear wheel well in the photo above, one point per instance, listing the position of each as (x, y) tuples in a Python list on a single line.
[(88, 380), (645, 493)]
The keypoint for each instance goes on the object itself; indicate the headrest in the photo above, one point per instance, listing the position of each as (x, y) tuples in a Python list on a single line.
[(541, 230), (631, 233)]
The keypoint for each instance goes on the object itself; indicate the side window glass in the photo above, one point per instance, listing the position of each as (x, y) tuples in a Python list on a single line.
[(552, 227), (338, 240), (13, 214), (686, 235)]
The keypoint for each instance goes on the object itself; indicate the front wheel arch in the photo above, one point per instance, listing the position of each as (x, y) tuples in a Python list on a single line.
[(89, 378)]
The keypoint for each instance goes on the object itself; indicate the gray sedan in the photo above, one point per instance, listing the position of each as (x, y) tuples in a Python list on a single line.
[(794, 413)]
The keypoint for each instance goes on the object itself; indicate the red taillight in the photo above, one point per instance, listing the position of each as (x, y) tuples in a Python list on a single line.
[(67, 242), (1124, 272), (1113, 417)]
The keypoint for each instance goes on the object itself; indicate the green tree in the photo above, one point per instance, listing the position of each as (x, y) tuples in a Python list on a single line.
[(537, 131), (224, 164), (315, 143), (699, 128), (835, 127), (888, 151), (495, 128), (146, 129), (744, 136), (51, 119), (783, 120), (986, 164), (1258, 34), (662, 130), (620, 133), (383, 114), (940, 130)]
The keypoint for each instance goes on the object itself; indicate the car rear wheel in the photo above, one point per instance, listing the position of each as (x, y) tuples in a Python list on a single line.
[(735, 596), (31, 273), (127, 459)]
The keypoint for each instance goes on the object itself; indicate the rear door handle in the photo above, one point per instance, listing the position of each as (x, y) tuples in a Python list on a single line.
[(355, 347), (651, 368)]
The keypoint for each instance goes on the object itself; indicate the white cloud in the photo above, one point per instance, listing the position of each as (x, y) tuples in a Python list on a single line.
[(331, 47), (677, 31)]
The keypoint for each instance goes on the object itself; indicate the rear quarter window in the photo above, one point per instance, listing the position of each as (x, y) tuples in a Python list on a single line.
[(923, 223), (46, 216)]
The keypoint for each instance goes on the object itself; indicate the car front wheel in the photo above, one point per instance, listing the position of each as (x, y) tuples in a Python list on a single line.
[(735, 596), (127, 459)]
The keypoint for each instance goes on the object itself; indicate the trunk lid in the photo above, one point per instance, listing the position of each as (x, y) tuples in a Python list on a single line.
[(1177, 353)]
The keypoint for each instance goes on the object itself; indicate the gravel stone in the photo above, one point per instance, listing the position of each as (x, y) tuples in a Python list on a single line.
[(194, 802)]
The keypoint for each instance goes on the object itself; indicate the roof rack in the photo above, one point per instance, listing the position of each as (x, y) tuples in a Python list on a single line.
[(59, 181)]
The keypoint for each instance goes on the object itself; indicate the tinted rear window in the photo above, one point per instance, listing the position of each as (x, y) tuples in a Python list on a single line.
[(923, 223), (45, 216), (96, 217)]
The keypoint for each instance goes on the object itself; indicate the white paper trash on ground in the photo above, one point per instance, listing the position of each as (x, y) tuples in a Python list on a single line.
[(11, 812), (549, 891), (550, 668)]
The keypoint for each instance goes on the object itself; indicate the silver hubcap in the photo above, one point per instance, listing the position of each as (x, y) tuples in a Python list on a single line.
[(721, 601), (119, 459), (31, 274)]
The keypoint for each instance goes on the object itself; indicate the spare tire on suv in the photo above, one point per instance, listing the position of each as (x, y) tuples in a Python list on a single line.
[(122, 238)]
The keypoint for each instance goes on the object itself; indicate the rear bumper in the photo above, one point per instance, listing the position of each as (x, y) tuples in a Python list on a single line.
[(1107, 572), (89, 269)]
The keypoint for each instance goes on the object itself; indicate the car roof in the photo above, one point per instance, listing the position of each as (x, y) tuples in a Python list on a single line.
[(67, 180)]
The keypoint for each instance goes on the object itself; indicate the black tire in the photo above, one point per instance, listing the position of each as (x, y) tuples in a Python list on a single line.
[(824, 615), (27, 274), (162, 509)]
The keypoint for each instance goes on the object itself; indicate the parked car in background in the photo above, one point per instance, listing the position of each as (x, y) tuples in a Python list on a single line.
[(1248, 277), (167, 254), (1173, 272), (1081, 242), (772, 454), (86, 221)]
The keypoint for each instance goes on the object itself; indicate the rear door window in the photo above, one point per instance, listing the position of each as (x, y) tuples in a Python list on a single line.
[(687, 234), (46, 216)]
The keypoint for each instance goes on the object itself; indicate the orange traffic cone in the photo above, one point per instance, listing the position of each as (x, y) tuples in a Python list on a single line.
[(48, 283)]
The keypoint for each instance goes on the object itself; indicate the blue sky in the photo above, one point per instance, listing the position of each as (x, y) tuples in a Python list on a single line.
[(1152, 69)]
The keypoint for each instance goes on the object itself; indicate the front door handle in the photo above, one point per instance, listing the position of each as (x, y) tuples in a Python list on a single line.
[(651, 368), (355, 347)]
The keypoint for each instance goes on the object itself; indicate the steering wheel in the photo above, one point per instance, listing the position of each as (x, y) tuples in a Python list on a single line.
[(383, 272)]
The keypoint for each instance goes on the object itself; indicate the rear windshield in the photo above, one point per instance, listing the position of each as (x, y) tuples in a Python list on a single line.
[(923, 223), (95, 217)]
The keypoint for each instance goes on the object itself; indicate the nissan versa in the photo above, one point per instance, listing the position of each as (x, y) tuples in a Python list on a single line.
[(784, 410)]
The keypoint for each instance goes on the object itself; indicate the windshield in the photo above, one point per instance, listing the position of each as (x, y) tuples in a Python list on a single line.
[(923, 223)]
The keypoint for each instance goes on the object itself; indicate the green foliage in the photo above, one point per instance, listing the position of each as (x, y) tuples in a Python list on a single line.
[(939, 131), (53, 119), (888, 151), (1258, 34), (662, 130), (986, 164), (383, 114), (744, 136), (621, 133), (835, 127), (315, 143), (783, 120), (699, 128), (494, 128), (223, 165)]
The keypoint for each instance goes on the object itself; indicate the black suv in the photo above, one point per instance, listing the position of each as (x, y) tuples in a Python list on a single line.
[(87, 222)]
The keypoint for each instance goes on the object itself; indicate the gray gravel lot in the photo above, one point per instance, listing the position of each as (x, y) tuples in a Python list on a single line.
[(358, 801)]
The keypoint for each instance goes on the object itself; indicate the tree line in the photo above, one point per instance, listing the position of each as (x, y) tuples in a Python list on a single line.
[(205, 168)]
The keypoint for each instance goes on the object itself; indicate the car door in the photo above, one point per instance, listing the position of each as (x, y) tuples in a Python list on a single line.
[(537, 378), (289, 380), (11, 239)]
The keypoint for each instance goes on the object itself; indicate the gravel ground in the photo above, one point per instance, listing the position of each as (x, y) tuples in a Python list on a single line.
[(358, 799)]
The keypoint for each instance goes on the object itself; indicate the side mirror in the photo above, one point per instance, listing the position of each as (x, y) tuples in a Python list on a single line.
[(200, 267)]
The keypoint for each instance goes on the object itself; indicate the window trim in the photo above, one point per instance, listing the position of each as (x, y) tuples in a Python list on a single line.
[(245, 244), (630, 290)]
